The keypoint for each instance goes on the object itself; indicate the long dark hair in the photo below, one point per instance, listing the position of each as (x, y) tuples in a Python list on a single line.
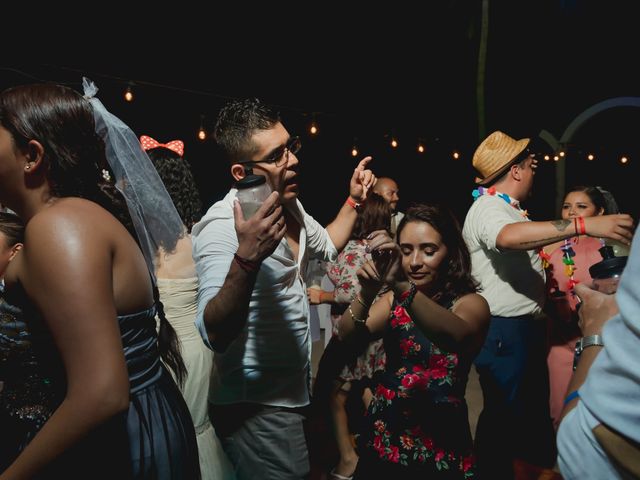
[(375, 214), (455, 277), (74, 156), (601, 198)]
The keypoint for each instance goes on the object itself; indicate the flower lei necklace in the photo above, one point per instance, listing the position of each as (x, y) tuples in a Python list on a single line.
[(478, 192), (567, 258)]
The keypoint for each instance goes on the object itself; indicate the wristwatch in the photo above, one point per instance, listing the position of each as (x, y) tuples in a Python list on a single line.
[(584, 342)]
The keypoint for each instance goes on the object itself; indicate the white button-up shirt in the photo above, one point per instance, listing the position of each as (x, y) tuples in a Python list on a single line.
[(269, 362)]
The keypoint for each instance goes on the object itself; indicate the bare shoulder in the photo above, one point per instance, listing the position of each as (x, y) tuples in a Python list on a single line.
[(70, 234), (472, 303), (69, 218)]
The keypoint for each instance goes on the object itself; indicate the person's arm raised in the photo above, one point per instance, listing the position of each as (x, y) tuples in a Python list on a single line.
[(532, 235), (361, 182), (225, 314)]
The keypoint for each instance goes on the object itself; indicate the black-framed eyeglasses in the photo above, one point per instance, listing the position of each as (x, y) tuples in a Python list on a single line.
[(280, 155)]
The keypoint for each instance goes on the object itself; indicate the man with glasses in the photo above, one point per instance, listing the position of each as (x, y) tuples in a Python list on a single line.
[(252, 303), (515, 423)]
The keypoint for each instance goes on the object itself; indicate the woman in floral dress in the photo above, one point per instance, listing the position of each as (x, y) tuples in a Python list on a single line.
[(433, 324), (345, 366)]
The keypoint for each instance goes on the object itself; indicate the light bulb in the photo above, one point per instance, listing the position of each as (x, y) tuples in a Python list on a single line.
[(128, 94)]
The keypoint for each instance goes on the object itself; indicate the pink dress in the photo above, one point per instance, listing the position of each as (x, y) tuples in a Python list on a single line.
[(564, 329)]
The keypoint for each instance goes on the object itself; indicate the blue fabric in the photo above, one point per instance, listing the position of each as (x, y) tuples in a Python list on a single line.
[(154, 438), (515, 421)]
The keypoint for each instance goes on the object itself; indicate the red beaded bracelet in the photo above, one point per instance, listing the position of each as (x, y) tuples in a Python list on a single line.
[(583, 230)]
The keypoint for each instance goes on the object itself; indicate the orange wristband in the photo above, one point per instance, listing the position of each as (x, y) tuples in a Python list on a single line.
[(352, 203)]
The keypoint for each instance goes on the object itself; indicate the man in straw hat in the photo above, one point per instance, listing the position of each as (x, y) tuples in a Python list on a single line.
[(504, 245)]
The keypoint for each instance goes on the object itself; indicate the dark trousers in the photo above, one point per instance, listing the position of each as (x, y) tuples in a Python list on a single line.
[(515, 422)]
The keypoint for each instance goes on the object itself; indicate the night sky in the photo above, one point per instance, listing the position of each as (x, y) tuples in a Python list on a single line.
[(412, 75)]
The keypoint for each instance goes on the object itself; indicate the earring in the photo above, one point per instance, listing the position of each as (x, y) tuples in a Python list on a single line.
[(28, 167)]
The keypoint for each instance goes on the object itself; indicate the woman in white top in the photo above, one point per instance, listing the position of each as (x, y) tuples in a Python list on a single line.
[(178, 286)]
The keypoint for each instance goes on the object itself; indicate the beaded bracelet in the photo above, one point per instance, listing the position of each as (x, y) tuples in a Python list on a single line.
[(355, 319), (409, 298), (583, 230)]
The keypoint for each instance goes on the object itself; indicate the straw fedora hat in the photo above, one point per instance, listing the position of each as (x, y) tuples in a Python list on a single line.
[(495, 154)]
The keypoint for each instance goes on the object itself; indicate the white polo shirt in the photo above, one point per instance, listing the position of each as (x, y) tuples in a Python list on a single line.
[(511, 281), (269, 362)]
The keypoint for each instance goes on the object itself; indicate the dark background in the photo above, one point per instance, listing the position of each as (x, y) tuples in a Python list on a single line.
[(412, 74)]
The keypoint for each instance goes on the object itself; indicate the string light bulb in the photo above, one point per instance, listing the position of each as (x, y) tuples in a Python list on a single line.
[(354, 149), (202, 133), (313, 128), (394, 142), (456, 155), (624, 160), (590, 156), (128, 93)]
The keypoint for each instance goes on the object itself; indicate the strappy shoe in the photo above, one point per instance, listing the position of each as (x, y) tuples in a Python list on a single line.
[(336, 476)]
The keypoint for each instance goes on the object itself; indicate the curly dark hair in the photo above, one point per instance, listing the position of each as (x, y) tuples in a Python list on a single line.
[(455, 276), (375, 214), (237, 122), (62, 121), (176, 175)]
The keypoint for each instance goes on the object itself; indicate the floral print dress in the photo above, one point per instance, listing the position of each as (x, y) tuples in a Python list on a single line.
[(342, 274), (418, 416)]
